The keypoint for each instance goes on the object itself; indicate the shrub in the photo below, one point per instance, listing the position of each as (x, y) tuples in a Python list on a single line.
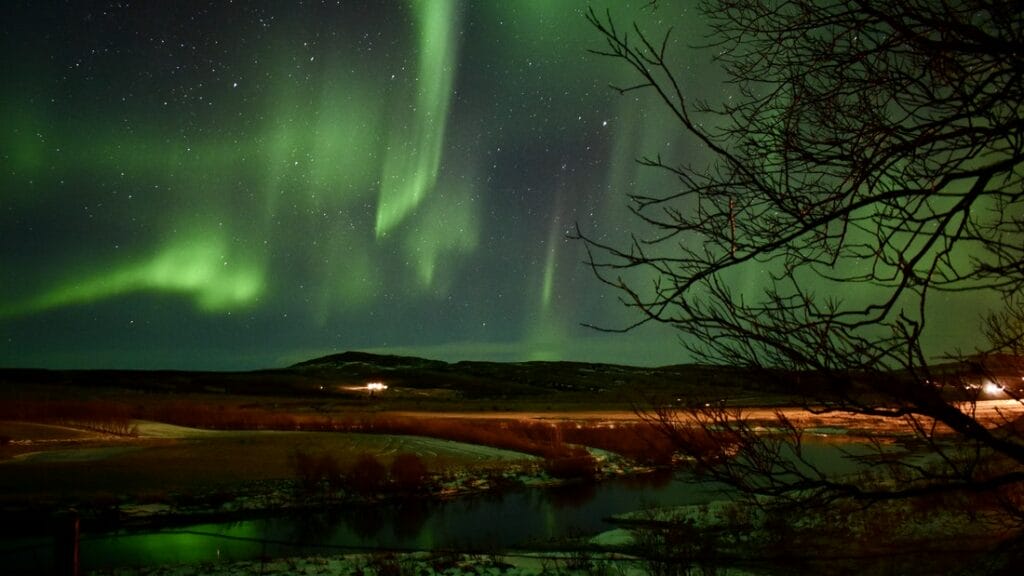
[(541, 439), (99, 415), (317, 473), (388, 564), (580, 466), (367, 475), (675, 547), (643, 443), (408, 473)]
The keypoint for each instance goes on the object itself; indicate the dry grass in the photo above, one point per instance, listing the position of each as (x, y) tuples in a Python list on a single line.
[(638, 441), (641, 441), (218, 461), (258, 443), (98, 415)]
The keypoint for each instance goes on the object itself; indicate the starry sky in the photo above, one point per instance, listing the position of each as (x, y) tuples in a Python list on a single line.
[(234, 185)]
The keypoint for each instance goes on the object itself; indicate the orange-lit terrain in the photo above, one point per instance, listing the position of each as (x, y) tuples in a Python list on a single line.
[(148, 449)]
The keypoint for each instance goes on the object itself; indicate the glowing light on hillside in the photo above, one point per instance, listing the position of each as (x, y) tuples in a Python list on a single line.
[(991, 388), (376, 387)]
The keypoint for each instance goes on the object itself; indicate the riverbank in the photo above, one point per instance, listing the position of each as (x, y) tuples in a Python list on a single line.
[(553, 519), (298, 522), (418, 563), (169, 475)]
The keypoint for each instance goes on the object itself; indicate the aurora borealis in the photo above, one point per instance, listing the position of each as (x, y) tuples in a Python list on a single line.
[(233, 185), (239, 185)]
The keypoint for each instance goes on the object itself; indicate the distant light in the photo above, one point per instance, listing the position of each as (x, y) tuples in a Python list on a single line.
[(991, 388), (376, 386)]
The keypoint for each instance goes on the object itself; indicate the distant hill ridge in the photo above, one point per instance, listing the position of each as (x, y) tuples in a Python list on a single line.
[(536, 378), (480, 379), (354, 357)]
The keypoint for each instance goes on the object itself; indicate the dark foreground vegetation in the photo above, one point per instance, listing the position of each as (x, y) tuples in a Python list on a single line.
[(313, 441)]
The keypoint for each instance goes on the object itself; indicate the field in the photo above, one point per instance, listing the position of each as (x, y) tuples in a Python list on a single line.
[(81, 438), (138, 449), (116, 440), (164, 460), (77, 437)]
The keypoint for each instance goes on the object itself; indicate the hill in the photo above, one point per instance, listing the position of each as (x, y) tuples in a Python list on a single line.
[(348, 373)]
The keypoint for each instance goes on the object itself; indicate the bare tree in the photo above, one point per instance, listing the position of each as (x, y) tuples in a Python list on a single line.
[(869, 166)]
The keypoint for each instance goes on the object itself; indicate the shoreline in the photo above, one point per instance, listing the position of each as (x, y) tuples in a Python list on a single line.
[(269, 498)]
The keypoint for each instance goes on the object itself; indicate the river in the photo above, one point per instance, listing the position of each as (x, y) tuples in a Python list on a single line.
[(488, 522), (522, 518)]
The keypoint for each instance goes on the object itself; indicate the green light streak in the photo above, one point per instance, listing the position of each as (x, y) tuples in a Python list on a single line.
[(343, 145), (414, 153), (349, 276), (546, 341), (548, 283), (278, 154), (545, 337), (195, 264), (549, 280), (449, 225)]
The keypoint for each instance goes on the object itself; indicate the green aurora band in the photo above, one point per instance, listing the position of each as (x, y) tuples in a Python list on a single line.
[(415, 147), (269, 184)]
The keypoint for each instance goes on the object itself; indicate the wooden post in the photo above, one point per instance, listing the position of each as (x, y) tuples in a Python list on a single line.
[(66, 543)]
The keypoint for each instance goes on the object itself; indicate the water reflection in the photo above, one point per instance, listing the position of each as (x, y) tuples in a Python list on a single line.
[(410, 518), (368, 523), (484, 523), (656, 480), (311, 526), (572, 495)]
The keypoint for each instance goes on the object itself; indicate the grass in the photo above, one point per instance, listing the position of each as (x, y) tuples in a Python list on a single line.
[(641, 442), (221, 462), (281, 438), (547, 440), (98, 415)]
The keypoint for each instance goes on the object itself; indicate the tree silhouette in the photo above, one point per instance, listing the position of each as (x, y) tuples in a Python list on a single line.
[(869, 167)]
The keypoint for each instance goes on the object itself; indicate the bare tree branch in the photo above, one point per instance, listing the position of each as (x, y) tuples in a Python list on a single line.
[(869, 166)]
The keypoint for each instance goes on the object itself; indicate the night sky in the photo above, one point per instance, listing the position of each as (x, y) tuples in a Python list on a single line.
[(231, 185), (227, 185)]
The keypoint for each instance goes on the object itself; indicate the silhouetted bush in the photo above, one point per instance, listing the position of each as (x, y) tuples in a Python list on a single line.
[(537, 438), (388, 564), (643, 443), (675, 545), (224, 417), (100, 415), (408, 473), (317, 473), (580, 466), (367, 475)]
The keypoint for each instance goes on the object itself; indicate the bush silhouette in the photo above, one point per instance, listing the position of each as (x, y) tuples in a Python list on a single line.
[(317, 473), (578, 466), (408, 473), (367, 475)]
